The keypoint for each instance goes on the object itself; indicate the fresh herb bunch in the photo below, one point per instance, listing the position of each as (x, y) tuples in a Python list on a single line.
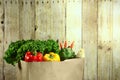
[(16, 50)]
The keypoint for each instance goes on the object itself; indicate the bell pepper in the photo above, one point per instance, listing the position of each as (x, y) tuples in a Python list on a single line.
[(51, 57), (28, 56)]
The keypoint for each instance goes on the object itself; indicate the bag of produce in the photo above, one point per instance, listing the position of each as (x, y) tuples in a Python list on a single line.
[(45, 60)]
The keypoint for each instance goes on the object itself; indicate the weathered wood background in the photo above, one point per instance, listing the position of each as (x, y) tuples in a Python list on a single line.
[(93, 24)]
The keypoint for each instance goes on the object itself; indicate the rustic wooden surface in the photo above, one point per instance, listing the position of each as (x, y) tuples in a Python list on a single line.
[(89, 37), (93, 24), (26, 29), (74, 23), (1, 39), (11, 32), (116, 40), (104, 40)]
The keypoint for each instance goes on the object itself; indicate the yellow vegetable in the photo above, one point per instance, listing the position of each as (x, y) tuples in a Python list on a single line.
[(51, 57), (81, 53)]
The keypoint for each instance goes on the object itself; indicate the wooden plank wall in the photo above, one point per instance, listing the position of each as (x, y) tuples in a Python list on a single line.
[(11, 33), (89, 37), (93, 24), (105, 33), (1, 39)]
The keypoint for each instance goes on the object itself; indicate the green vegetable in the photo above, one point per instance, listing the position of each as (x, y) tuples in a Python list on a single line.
[(11, 53), (66, 53), (16, 50)]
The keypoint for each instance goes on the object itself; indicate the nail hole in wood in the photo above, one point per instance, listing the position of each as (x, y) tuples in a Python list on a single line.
[(2, 22), (47, 1), (11, 2), (25, 2), (31, 2), (109, 49), (42, 2), (37, 2), (35, 28), (22, 2), (6, 2), (100, 47)]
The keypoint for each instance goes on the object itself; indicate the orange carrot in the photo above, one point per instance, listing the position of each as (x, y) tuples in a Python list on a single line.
[(72, 44), (60, 45), (65, 44)]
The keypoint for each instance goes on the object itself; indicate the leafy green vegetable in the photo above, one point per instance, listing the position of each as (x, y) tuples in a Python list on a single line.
[(66, 53), (11, 53), (16, 50)]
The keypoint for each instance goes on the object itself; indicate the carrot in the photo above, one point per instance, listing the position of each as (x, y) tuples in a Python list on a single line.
[(60, 45), (65, 44), (72, 44)]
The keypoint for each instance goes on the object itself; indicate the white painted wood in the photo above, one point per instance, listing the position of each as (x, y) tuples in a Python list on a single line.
[(89, 37), (1, 39), (27, 19), (116, 40), (104, 40), (74, 23), (11, 33)]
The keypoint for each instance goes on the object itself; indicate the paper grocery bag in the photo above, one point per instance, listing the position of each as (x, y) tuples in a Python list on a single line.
[(71, 69)]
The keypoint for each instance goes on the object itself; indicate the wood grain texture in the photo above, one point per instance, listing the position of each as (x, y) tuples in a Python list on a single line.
[(27, 30), (74, 23), (11, 33), (42, 19), (1, 39), (50, 18), (89, 35), (58, 19), (104, 40), (27, 19), (116, 40)]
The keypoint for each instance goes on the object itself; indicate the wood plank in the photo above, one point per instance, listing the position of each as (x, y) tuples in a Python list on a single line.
[(116, 40), (74, 23), (1, 38), (89, 35), (11, 33), (50, 18), (42, 19), (27, 30), (27, 18), (104, 40), (58, 19)]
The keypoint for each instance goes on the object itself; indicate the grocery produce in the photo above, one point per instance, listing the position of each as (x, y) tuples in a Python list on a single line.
[(51, 57), (29, 57), (17, 50), (67, 52), (39, 51)]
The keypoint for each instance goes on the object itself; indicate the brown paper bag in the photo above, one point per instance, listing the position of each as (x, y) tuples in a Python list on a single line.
[(71, 69)]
